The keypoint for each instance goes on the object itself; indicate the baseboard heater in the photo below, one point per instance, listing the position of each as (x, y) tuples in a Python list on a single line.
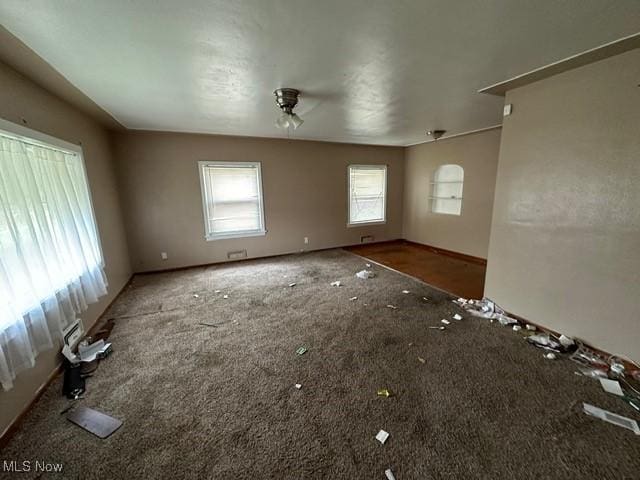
[(237, 254)]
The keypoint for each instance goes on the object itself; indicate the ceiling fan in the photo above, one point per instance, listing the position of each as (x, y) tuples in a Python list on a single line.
[(287, 99)]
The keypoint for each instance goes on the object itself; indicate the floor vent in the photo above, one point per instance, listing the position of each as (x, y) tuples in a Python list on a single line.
[(236, 255)]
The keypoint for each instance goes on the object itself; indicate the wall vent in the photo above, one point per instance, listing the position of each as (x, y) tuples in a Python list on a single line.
[(237, 254), (366, 239), (73, 333)]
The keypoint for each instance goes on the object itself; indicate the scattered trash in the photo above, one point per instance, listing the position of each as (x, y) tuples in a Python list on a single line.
[(364, 274), (425, 299), (591, 372), (93, 421), (225, 296), (384, 392), (437, 328), (616, 368), (337, 283), (96, 351), (589, 358), (301, 350), (405, 291), (550, 356), (410, 343), (368, 265), (389, 474), (531, 328), (485, 308), (611, 386), (382, 436), (292, 284), (421, 360), (69, 355), (457, 317), (353, 298), (298, 386), (216, 291), (611, 417), (393, 307), (566, 342), (517, 328), (195, 295), (548, 341), (446, 322)]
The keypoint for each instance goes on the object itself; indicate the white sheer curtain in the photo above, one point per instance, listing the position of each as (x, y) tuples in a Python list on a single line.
[(50, 259)]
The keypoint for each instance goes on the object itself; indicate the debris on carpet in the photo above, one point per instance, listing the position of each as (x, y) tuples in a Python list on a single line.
[(392, 307), (364, 274), (98, 423), (611, 417), (389, 474), (301, 350), (384, 392), (337, 283), (382, 436)]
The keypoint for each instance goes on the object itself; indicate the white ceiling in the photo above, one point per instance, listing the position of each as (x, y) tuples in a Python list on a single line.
[(371, 71)]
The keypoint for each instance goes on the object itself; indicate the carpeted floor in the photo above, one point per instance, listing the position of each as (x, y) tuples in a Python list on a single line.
[(219, 402)]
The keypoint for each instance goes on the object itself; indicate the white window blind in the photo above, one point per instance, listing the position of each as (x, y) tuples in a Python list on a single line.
[(232, 199), (447, 190), (50, 257), (367, 194)]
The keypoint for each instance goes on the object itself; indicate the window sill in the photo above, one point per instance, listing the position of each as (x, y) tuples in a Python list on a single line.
[(366, 224), (225, 236)]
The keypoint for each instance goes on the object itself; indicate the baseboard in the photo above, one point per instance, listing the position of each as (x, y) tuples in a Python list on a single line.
[(222, 262), (448, 253), (13, 427)]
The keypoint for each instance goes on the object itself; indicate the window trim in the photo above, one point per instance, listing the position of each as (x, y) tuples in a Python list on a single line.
[(209, 237), (35, 137), (374, 166)]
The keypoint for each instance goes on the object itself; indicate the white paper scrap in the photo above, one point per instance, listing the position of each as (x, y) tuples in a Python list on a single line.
[(292, 284), (298, 386), (353, 298), (195, 295), (382, 436), (337, 283), (611, 386), (225, 296), (393, 307), (405, 291), (446, 322), (610, 417), (389, 474), (425, 299), (457, 317), (368, 265), (216, 291)]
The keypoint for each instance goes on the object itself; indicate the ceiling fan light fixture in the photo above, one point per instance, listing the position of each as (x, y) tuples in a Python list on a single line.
[(287, 99)]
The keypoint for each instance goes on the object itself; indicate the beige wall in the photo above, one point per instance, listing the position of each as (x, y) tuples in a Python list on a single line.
[(305, 195), (468, 233), (21, 99), (565, 238)]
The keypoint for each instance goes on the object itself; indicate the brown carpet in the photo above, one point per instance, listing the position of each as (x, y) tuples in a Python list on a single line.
[(220, 402)]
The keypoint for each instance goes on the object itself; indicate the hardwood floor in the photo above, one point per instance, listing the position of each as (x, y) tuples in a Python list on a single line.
[(454, 273)]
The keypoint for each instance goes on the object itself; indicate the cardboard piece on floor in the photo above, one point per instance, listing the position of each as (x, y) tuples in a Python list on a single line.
[(611, 386), (610, 417), (93, 421)]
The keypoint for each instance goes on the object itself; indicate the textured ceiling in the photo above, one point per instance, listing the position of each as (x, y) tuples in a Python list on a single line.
[(370, 71)]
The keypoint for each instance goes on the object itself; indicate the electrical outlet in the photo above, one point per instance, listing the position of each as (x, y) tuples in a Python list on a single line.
[(506, 111), (306, 240), (164, 255)]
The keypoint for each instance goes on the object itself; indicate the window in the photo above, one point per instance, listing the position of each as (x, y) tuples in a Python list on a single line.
[(447, 190), (232, 199), (367, 194), (50, 257)]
